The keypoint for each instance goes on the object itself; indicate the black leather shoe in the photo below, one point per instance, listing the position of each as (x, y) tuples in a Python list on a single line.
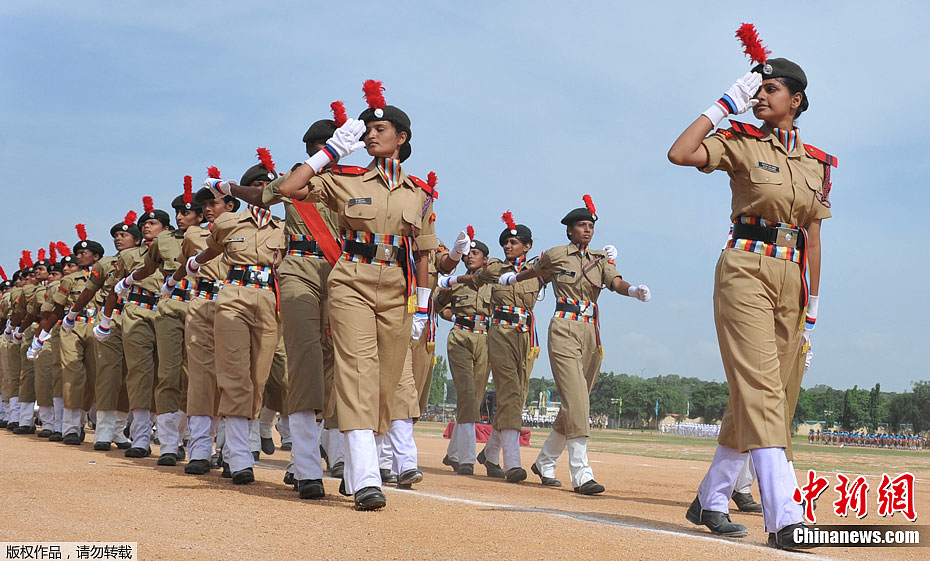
[(590, 487), (465, 469), (2, 424), (325, 457), (102, 446), (268, 446), (718, 523), (167, 460), (784, 538), (446, 461), (126, 432), (123, 445), (12, 425), (481, 457), (290, 479), (286, 446), (255, 455), (55, 437), (406, 479), (137, 452), (369, 498), (25, 429), (310, 488), (745, 502), (197, 467), (181, 454), (342, 489), (226, 472), (215, 461), (494, 470), (243, 476), (515, 475), (44, 433), (387, 476), (72, 439), (337, 470), (546, 481)]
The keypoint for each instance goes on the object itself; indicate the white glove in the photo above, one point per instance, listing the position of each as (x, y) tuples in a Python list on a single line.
[(192, 266), (422, 313), (807, 359), (344, 141), (460, 247), (168, 287), (218, 187), (102, 329), (507, 279), (611, 251), (446, 281), (122, 287), (68, 323), (640, 292), (813, 303), (8, 332), (34, 349), (17, 337), (737, 100)]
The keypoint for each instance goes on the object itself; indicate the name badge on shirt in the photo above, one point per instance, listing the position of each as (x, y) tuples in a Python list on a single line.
[(462, 297), (361, 201), (235, 240), (768, 167), (567, 272)]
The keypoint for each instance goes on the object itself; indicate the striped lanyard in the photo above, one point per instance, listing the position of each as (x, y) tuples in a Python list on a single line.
[(389, 168), (788, 138), (518, 263), (261, 215)]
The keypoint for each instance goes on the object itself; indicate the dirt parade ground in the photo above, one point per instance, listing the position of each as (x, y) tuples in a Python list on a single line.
[(57, 493)]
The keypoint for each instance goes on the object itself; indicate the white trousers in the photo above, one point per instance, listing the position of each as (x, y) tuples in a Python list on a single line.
[(237, 452), (746, 476), (27, 413), (305, 453), (106, 426), (169, 431), (335, 446), (203, 429), (266, 422), (361, 463), (717, 487), (492, 449), (777, 482), (403, 445), (549, 453), (578, 466), (141, 428), (47, 415), (255, 439), (462, 443), (59, 404), (284, 429), (71, 421), (12, 410), (510, 446), (384, 450)]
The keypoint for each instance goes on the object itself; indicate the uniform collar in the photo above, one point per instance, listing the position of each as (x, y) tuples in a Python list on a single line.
[(246, 215), (583, 250), (373, 173), (770, 136)]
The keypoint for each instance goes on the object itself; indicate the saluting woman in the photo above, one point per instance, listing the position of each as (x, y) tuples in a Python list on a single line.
[(780, 188), (387, 227)]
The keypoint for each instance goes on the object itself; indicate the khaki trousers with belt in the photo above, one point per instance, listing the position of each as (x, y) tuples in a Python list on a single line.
[(172, 355), (27, 374), (111, 370), (202, 395), (303, 313), (468, 362), (509, 352), (576, 361), (139, 350), (78, 366)]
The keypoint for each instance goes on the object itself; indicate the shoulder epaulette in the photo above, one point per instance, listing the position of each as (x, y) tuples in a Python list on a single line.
[(819, 154), (431, 191), (746, 128), (349, 170), (726, 133)]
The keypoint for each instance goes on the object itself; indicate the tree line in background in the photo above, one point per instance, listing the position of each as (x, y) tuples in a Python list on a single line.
[(632, 400)]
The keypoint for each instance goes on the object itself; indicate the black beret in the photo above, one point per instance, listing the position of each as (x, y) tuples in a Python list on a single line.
[(481, 246), (178, 204), (45, 262), (257, 172), (320, 130), (522, 232), (90, 245), (395, 115), (133, 230), (27, 271), (205, 194), (577, 215), (16, 276), (66, 259), (6, 284), (781, 68), (57, 267), (157, 214)]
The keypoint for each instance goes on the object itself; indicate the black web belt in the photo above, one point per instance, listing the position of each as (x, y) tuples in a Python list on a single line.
[(251, 277), (472, 324), (784, 237), (575, 309), (510, 317), (207, 285), (149, 300), (305, 246), (370, 250)]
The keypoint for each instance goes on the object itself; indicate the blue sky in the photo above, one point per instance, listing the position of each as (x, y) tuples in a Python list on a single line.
[(516, 105)]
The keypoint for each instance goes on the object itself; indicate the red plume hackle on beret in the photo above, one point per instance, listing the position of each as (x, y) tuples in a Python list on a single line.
[(27, 258), (131, 218), (264, 158), (188, 197), (213, 172), (752, 44), (41, 255), (148, 204), (52, 253), (589, 204), (374, 94), (81, 232), (63, 249), (339, 113), (470, 231), (507, 217), (3, 274), (21, 264)]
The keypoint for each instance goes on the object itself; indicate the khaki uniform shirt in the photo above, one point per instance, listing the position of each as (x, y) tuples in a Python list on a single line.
[(238, 236), (131, 259), (195, 241), (48, 305), (34, 301), (364, 203), (70, 289), (465, 300), (522, 294), (766, 181), (165, 252), (102, 279), (563, 266)]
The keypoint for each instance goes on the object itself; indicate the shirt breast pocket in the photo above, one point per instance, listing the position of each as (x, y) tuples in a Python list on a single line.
[(360, 214), (761, 176), (412, 221)]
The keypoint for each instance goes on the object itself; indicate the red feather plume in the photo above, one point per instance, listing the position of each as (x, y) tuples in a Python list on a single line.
[(471, 232), (339, 113), (52, 253), (507, 217), (27, 258), (3, 274), (148, 204), (63, 249), (589, 204), (213, 172), (374, 94), (81, 232), (264, 157), (42, 254), (432, 179), (752, 44), (188, 190), (131, 218)]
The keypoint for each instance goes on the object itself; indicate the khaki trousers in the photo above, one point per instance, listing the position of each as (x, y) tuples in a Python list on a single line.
[(406, 401), (139, 351), (172, 355), (246, 334), (46, 363), (576, 361), (371, 331), (27, 374), (274, 396), (509, 352), (468, 362), (13, 367), (303, 313), (78, 366), (111, 370), (423, 353), (757, 310), (202, 395)]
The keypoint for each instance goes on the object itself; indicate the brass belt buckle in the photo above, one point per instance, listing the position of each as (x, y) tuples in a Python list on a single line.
[(787, 237), (258, 277), (386, 252)]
